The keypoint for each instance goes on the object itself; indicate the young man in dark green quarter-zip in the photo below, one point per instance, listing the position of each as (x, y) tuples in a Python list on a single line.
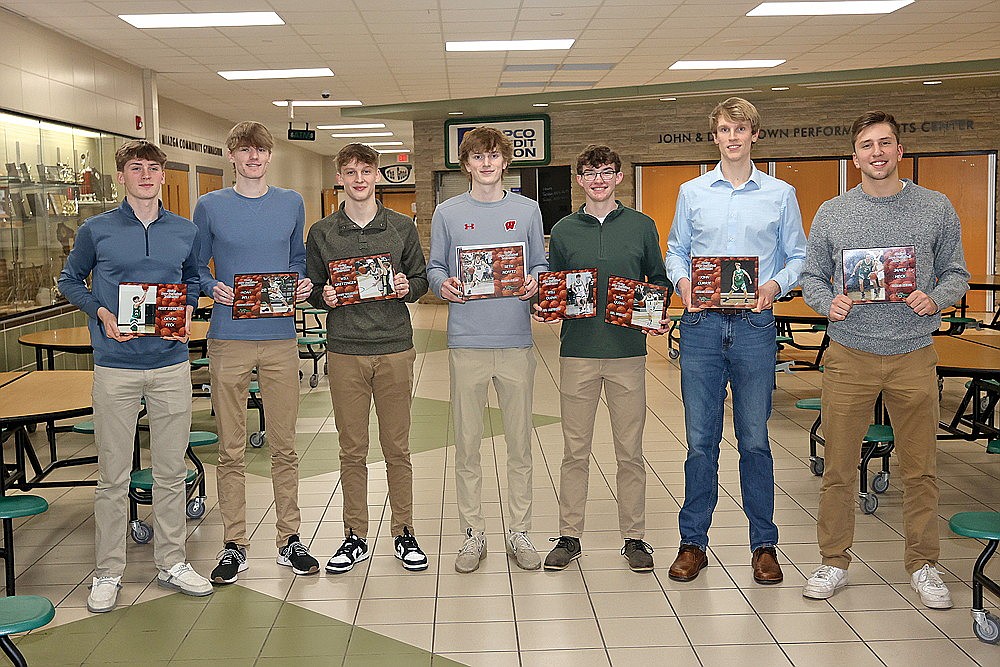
[(620, 241)]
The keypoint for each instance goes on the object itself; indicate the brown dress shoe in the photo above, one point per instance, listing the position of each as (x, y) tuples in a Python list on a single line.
[(689, 562), (765, 566)]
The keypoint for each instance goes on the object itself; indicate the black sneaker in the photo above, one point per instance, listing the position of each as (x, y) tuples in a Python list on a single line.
[(296, 555), (232, 561), (408, 551), (353, 550), (566, 551), (639, 555)]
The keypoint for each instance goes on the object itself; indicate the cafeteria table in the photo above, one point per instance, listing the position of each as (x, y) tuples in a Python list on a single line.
[(796, 311), (974, 418), (985, 283), (40, 396)]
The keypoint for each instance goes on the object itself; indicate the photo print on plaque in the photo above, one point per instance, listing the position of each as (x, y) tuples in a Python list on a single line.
[(492, 270), (152, 309), (724, 282), (264, 295), (635, 304), (358, 279), (567, 295), (880, 275)]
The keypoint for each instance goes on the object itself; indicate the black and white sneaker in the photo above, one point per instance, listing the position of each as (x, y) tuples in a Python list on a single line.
[(296, 555), (232, 561), (408, 551), (353, 550)]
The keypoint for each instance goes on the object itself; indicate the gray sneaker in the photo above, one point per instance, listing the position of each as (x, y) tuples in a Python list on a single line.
[(566, 551), (103, 594), (520, 548), (182, 577), (473, 551), (639, 555)]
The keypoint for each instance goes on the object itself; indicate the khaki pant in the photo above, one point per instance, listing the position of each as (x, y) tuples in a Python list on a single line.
[(852, 381), (117, 393), (389, 379), (512, 371), (277, 364), (624, 382)]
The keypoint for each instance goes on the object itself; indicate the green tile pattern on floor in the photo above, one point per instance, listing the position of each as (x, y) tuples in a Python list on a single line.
[(235, 626), (430, 340), (430, 428)]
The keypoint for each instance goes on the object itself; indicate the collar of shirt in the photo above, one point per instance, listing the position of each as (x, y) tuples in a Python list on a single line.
[(129, 213), (377, 224), (753, 183)]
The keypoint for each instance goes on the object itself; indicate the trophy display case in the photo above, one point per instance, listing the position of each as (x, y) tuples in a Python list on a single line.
[(52, 178)]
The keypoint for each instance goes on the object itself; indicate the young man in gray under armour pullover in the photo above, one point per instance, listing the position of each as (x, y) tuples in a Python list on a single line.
[(882, 347), (489, 339)]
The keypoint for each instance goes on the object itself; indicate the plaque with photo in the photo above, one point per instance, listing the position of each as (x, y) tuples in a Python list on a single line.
[(264, 295), (880, 275), (635, 304), (359, 279), (152, 309), (724, 282), (567, 295), (489, 271)]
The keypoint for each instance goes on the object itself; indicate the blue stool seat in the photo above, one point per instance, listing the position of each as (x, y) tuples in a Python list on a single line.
[(143, 479), (254, 387), (21, 613), (311, 340), (84, 427), (200, 438), (200, 363)]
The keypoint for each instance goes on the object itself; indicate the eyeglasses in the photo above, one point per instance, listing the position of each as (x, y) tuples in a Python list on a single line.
[(606, 175)]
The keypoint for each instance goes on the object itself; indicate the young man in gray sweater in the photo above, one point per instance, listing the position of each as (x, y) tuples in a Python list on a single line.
[(882, 347), (489, 340), (370, 352)]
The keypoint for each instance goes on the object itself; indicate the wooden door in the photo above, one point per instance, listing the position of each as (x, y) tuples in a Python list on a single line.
[(814, 181), (658, 197), (176, 193), (401, 202), (208, 183)]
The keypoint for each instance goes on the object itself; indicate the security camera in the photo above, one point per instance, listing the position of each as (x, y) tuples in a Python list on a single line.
[(325, 94)]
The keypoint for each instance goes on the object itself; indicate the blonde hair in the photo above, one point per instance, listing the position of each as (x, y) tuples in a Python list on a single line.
[(735, 108), (249, 133)]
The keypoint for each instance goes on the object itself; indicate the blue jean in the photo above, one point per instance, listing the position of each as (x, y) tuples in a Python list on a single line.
[(737, 349)]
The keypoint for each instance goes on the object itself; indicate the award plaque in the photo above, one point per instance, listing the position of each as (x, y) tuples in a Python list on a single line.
[(488, 271), (724, 282), (264, 295), (152, 309), (635, 304), (567, 295), (358, 279), (880, 275)]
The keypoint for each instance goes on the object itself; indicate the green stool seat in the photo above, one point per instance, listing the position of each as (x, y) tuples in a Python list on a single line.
[(980, 525), (992, 383), (84, 427), (879, 433), (316, 331), (675, 318), (200, 438), (314, 311), (13, 507), (200, 363), (143, 479), (311, 340), (819, 327), (254, 387), (783, 339), (993, 447), (21, 613), (809, 404), (959, 320)]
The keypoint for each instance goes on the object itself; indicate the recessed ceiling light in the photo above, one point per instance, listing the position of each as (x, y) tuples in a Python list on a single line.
[(396, 150), (383, 143), (540, 104), (299, 73), (779, 88), (828, 8), (318, 103), (931, 83), (356, 126), (455, 113), (724, 64), (668, 99), (511, 45), (202, 20), (355, 135)]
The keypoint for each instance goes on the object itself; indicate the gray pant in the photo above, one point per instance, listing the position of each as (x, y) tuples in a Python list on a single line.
[(117, 394)]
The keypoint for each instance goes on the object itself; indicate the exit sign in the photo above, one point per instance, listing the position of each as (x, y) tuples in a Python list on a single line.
[(301, 135)]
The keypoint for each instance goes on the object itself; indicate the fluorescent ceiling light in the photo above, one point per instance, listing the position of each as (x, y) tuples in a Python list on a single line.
[(932, 83), (318, 103), (455, 113), (540, 104), (356, 126), (202, 20), (300, 73), (383, 143), (668, 99), (828, 8), (780, 88), (354, 135), (45, 125), (724, 64), (511, 45)]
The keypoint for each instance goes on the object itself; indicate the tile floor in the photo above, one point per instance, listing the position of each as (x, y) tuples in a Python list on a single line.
[(594, 613)]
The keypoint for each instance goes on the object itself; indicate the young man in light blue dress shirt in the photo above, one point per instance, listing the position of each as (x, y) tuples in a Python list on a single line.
[(733, 210)]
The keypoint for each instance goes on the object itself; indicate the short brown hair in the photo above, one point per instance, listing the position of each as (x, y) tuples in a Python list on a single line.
[(735, 108), (249, 133), (870, 118), (138, 149), (595, 156), (485, 139), (356, 153)]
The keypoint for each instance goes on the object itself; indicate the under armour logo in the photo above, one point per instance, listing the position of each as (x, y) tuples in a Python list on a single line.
[(470, 225), (510, 224)]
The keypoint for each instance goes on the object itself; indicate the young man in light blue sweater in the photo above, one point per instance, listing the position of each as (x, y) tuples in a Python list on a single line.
[(489, 340), (140, 242), (882, 348), (253, 228)]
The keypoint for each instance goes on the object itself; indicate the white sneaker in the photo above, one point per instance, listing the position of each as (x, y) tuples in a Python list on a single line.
[(183, 578), (824, 582), (103, 594), (473, 551), (520, 548), (933, 592)]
